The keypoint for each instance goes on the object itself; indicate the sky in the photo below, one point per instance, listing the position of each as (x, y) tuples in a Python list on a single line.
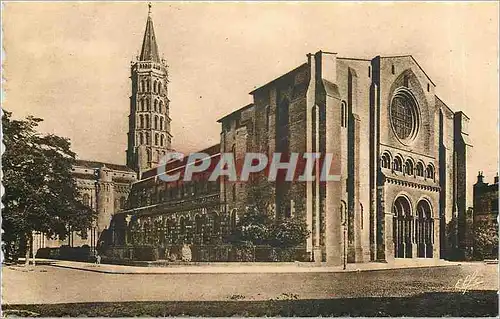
[(69, 62)]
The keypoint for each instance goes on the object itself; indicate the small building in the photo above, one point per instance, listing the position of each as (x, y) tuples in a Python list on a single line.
[(485, 213)]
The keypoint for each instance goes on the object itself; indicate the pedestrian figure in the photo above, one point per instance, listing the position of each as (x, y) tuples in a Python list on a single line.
[(97, 259)]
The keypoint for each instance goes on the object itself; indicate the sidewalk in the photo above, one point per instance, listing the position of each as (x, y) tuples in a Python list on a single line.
[(238, 268)]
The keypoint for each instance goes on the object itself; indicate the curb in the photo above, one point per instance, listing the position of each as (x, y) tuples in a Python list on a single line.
[(315, 270)]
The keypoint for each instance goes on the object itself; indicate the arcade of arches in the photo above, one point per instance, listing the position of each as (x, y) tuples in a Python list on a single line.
[(198, 227), (412, 229)]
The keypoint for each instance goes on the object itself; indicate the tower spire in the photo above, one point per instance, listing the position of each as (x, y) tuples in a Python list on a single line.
[(149, 51), (149, 137)]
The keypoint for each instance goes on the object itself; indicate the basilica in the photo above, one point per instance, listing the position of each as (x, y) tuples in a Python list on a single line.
[(400, 151)]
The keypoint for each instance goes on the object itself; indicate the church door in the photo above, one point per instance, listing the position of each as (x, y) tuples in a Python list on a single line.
[(402, 228)]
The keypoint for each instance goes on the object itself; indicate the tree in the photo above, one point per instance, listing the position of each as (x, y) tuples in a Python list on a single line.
[(289, 232), (40, 192), (254, 226), (486, 239)]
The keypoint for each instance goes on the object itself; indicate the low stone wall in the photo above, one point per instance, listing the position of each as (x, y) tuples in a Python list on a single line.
[(205, 253), (83, 253)]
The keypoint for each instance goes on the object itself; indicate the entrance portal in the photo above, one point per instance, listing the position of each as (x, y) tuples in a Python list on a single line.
[(402, 228)]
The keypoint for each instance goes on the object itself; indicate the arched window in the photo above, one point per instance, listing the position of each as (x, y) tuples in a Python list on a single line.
[(154, 86), (142, 105), (86, 200), (156, 139), (430, 171), (141, 139), (148, 107), (409, 167), (402, 228), (282, 126), (160, 107), (424, 230), (148, 85), (161, 123), (123, 202), (343, 118), (156, 122), (141, 121), (362, 214), (385, 161), (233, 218), (199, 221), (156, 106), (147, 139), (216, 224), (419, 169), (117, 205), (182, 224), (398, 164), (267, 117), (146, 119), (149, 155), (143, 88), (162, 140)]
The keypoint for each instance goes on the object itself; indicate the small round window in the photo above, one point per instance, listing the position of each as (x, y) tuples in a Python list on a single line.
[(404, 115)]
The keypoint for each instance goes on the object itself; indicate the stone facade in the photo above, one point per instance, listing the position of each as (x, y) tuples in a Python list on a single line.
[(149, 136), (163, 213), (485, 199), (104, 187), (400, 152), (396, 194)]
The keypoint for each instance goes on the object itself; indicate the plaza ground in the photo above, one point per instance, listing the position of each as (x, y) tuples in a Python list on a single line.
[(53, 291)]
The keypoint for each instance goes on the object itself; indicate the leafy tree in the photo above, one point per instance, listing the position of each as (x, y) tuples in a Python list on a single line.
[(254, 226), (289, 233), (40, 192), (486, 239)]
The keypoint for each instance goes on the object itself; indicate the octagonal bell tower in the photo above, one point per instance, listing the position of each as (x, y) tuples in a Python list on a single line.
[(149, 136)]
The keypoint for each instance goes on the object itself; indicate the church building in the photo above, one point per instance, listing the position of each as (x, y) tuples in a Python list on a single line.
[(400, 151)]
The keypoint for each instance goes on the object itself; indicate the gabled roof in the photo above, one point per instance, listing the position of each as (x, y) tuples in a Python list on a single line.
[(95, 164), (410, 56), (235, 112), (149, 50), (175, 164), (444, 104), (278, 78)]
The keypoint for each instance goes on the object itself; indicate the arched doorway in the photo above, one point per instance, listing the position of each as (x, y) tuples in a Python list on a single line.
[(402, 228), (424, 230)]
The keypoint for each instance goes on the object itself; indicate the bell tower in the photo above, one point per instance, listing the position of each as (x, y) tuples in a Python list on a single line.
[(149, 135)]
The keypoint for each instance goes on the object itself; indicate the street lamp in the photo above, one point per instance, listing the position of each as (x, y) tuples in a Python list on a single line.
[(344, 226)]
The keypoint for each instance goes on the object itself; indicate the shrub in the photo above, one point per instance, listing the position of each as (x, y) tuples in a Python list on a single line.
[(244, 251), (486, 239), (186, 253), (288, 233)]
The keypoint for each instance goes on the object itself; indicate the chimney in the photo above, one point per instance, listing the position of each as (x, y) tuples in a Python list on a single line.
[(480, 178)]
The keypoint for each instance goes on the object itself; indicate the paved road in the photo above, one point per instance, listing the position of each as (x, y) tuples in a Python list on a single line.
[(47, 284)]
